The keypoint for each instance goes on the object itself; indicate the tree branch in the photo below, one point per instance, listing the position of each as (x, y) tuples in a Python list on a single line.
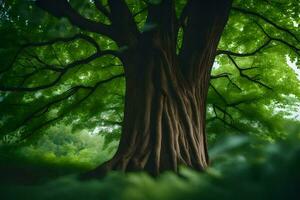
[(46, 65), (70, 92), (225, 113), (268, 41), (62, 39), (62, 8), (233, 104), (141, 11), (294, 48), (242, 74), (248, 12), (225, 75), (51, 42), (205, 23), (102, 8), (61, 73), (218, 93), (124, 27), (182, 21), (244, 54)]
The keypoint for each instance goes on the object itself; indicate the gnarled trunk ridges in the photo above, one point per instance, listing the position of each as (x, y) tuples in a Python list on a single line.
[(164, 117), (165, 100)]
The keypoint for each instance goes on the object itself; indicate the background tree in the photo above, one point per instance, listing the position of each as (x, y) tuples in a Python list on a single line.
[(69, 69)]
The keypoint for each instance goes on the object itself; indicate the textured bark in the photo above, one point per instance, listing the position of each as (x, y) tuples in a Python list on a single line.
[(163, 121), (165, 104), (161, 128)]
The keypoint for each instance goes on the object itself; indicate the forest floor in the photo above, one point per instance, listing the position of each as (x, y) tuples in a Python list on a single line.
[(239, 170)]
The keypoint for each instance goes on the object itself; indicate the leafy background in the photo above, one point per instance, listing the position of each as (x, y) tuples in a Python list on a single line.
[(46, 134)]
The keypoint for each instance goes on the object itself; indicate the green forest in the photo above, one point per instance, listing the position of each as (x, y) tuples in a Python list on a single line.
[(149, 99)]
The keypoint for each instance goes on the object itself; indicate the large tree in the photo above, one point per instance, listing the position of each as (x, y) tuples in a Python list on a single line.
[(167, 49)]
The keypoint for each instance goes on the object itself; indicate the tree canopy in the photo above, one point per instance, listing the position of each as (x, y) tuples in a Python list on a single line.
[(55, 73)]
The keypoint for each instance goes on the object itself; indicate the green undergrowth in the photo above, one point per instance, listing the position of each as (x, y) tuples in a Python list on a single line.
[(241, 168)]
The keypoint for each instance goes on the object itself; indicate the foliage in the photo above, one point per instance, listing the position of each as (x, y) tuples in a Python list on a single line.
[(61, 105), (59, 145), (241, 171), (60, 82)]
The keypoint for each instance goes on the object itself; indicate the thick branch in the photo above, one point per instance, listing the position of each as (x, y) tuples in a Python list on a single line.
[(124, 27), (183, 18), (102, 8), (205, 23), (62, 8)]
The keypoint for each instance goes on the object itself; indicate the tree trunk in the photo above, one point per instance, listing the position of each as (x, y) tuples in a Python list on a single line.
[(163, 120), (165, 103)]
